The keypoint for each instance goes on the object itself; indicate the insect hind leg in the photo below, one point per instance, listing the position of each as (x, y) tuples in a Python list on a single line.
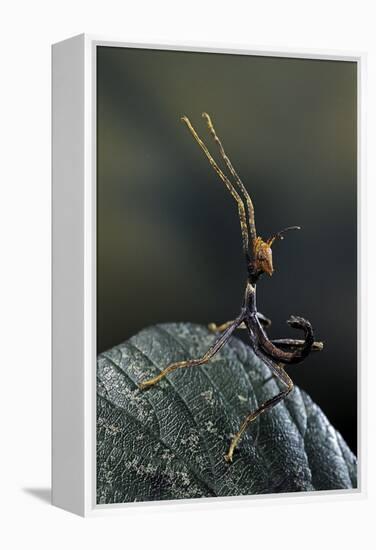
[(218, 344)]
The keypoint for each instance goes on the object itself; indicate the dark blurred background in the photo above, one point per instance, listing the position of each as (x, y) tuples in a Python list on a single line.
[(169, 245)]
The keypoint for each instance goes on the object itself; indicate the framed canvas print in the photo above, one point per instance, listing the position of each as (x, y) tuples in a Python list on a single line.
[(185, 179)]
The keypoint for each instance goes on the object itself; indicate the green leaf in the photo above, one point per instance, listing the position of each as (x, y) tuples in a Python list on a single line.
[(169, 442)]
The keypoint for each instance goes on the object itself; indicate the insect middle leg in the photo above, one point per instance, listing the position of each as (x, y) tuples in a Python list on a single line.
[(283, 376), (213, 327), (195, 362)]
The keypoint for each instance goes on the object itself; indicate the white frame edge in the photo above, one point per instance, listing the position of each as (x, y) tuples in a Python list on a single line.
[(74, 276), (68, 381)]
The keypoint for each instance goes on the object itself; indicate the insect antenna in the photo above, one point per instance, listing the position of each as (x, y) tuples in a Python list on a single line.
[(279, 235)]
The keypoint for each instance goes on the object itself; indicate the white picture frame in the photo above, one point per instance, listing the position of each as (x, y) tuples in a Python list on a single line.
[(74, 272)]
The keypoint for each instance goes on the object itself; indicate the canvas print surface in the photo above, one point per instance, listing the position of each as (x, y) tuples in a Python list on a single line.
[(220, 176)]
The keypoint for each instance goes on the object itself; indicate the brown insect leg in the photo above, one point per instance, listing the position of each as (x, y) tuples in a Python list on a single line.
[(264, 321), (213, 327), (291, 344), (228, 184), (195, 362), (278, 354), (251, 212), (281, 374)]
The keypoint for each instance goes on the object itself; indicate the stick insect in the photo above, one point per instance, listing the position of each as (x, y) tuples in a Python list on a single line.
[(276, 354)]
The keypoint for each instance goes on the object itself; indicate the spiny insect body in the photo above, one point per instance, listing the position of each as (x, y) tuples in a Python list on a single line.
[(276, 354)]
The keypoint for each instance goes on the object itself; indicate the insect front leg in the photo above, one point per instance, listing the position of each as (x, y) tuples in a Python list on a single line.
[(280, 355), (290, 344)]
